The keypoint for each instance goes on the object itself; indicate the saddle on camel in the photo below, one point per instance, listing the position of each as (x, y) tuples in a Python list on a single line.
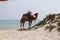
[(29, 14)]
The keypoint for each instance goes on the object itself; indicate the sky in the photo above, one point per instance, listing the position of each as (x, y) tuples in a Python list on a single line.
[(14, 9)]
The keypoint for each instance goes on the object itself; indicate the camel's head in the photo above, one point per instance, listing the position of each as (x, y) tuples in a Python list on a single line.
[(35, 16)]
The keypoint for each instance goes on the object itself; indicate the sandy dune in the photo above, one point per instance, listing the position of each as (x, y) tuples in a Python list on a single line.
[(38, 34)]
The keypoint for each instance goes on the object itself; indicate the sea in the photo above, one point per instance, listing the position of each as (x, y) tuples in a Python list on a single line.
[(13, 24)]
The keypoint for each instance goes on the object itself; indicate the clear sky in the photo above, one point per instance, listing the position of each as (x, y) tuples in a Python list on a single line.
[(14, 9)]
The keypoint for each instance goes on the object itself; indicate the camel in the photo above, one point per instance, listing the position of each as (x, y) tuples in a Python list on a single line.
[(29, 19)]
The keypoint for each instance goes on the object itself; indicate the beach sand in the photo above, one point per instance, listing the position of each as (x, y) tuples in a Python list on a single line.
[(38, 34)]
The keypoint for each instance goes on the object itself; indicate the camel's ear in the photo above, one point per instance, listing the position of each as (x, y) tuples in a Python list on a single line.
[(36, 13)]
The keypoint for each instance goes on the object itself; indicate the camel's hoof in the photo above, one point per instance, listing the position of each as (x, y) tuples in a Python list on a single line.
[(29, 28), (19, 29)]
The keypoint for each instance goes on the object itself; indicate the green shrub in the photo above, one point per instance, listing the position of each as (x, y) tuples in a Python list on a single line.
[(58, 23), (51, 27), (50, 17), (58, 29)]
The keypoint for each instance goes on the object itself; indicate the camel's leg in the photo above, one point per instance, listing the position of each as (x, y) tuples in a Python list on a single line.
[(29, 24), (23, 25)]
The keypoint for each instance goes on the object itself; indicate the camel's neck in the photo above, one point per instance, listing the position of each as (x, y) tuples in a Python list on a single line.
[(35, 16)]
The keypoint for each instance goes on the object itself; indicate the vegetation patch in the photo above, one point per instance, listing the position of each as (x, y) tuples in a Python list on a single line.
[(51, 27), (50, 19), (58, 23), (58, 29)]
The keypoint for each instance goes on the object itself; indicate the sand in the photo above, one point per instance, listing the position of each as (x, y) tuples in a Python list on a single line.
[(38, 34)]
